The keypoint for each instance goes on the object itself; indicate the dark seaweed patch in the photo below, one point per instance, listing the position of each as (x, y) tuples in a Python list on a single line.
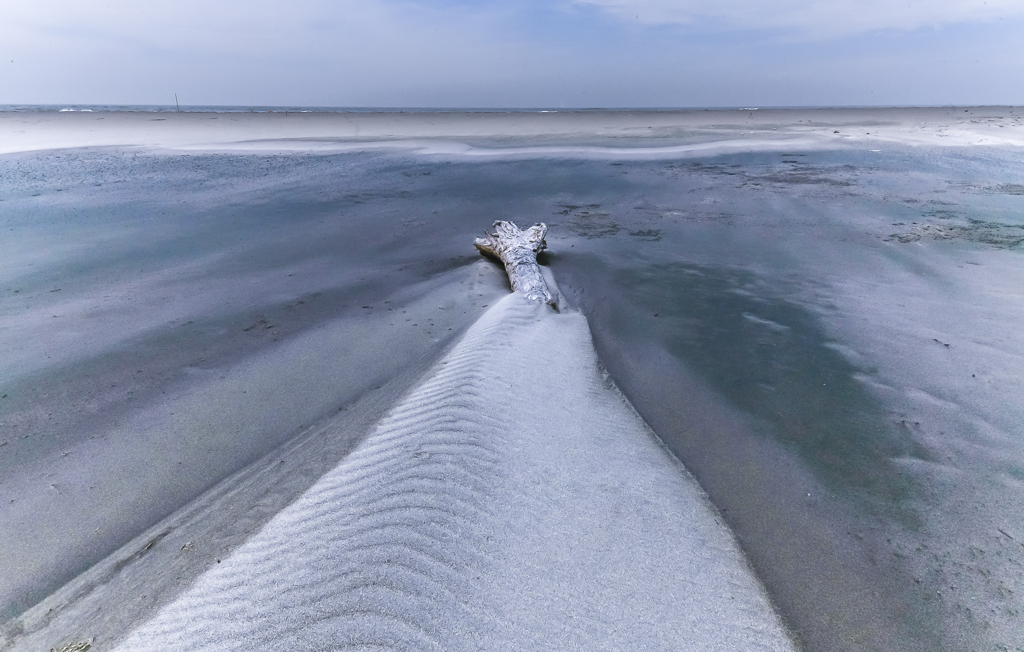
[(941, 214), (588, 221), (996, 234), (803, 176), (652, 235), (1009, 189)]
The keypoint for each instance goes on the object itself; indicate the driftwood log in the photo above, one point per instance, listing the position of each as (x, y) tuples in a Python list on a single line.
[(518, 250)]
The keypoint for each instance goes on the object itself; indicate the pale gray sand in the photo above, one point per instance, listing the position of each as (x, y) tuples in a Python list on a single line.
[(512, 501), (339, 376)]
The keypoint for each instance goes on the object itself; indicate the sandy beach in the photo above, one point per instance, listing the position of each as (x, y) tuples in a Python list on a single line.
[(260, 391)]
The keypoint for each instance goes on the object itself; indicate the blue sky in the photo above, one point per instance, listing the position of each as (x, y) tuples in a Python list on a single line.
[(516, 53)]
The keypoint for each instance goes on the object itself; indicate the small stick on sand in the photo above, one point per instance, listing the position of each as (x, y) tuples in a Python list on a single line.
[(518, 250)]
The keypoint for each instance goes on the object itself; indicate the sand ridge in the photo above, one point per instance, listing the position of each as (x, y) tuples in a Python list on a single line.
[(511, 501)]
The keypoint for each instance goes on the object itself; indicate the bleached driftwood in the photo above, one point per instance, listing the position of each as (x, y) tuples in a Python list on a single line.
[(518, 250)]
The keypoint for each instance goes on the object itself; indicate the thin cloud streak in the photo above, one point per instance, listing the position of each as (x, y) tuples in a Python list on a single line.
[(810, 19)]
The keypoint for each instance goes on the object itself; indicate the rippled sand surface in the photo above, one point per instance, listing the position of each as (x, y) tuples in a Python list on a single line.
[(512, 501)]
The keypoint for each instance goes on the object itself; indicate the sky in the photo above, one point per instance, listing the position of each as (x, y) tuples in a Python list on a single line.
[(513, 53)]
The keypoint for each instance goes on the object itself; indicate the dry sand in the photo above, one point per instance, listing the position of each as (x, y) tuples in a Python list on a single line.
[(512, 501), (208, 318)]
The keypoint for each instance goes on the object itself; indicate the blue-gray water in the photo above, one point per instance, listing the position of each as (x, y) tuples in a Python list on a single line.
[(214, 108)]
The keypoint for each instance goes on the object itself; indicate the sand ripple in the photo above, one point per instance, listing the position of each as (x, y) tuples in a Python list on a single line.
[(512, 501)]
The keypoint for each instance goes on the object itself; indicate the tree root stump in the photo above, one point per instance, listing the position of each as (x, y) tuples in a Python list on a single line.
[(517, 250)]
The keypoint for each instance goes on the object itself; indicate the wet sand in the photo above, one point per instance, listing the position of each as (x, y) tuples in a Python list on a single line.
[(820, 326)]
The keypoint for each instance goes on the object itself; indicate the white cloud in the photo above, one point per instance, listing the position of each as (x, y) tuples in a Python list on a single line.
[(810, 18)]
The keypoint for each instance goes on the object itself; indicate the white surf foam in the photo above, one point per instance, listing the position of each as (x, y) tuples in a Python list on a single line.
[(512, 501)]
